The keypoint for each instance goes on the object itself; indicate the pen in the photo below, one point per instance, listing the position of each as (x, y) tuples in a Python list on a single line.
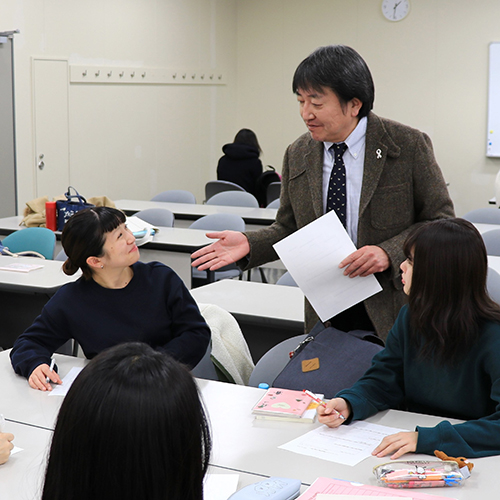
[(321, 402), (52, 363)]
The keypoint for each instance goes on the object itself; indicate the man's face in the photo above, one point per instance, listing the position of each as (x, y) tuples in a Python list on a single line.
[(324, 116)]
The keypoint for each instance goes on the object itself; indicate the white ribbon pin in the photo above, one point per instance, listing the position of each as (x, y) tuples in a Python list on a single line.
[(379, 154)]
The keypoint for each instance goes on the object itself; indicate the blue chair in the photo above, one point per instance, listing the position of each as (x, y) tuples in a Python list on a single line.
[(157, 217), (175, 196), (273, 192), (214, 187), (483, 216), (493, 285), (217, 222), (286, 280), (34, 239), (234, 199), (274, 204)]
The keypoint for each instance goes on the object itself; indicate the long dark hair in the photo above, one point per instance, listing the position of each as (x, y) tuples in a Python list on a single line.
[(448, 299), (342, 70), (84, 235), (247, 136), (131, 426)]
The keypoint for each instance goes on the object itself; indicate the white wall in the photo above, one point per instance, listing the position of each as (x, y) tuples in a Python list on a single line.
[(129, 141), (430, 72)]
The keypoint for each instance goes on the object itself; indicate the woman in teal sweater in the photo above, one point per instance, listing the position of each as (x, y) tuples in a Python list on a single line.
[(442, 356)]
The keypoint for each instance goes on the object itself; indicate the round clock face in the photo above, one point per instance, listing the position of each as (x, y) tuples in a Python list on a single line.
[(395, 10)]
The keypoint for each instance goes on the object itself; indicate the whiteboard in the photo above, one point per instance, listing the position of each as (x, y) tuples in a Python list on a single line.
[(493, 133)]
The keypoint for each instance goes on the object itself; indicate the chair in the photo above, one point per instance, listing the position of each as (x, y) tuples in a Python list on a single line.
[(493, 285), (234, 199), (266, 178), (273, 191), (61, 256), (274, 204), (175, 196), (492, 241), (286, 280), (214, 187), (483, 216), (270, 365), (36, 239), (157, 216), (217, 222)]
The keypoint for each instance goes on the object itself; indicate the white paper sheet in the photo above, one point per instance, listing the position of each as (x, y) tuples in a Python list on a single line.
[(220, 486), (312, 255), (347, 444), (62, 389)]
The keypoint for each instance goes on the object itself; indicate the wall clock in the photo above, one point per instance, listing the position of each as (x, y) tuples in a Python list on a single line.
[(395, 10)]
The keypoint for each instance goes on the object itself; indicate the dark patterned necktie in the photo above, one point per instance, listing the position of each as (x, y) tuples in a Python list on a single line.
[(337, 193)]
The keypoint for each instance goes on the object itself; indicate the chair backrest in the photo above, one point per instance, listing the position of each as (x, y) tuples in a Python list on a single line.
[(175, 196), (286, 280), (219, 222), (61, 256), (492, 241), (37, 239), (484, 216), (157, 216), (214, 187), (493, 285), (273, 191), (234, 199), (261, 184), (270, 365), (274, 204)]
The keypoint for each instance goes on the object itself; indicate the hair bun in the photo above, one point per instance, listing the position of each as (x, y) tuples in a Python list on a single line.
[(69, 268)]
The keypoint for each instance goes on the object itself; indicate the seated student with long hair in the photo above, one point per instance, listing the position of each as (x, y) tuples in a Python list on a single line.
[(117, 299), (131, 427), (442, 356)]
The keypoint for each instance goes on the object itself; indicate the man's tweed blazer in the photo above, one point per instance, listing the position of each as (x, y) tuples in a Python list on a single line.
[(402, 186)]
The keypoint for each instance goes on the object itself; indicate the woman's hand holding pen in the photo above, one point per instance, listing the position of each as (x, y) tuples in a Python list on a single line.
[(41, 377), (334, 413)]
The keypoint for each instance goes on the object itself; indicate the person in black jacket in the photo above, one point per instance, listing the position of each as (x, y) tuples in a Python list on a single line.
[(240, 163)]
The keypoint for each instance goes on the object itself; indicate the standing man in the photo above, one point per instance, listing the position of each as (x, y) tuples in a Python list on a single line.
[(381, 177)]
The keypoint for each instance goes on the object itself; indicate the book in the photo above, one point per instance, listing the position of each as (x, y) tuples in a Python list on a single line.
[(308, 417), (282, 403), (21, 268)]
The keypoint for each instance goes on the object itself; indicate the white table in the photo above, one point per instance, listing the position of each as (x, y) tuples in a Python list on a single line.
[(46, 280), (484, 228), (240, 443), (267, 314), (186, 213)]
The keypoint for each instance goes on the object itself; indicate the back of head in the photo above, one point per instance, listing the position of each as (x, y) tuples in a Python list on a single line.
[(131, 426), (342, 70), (448, 299), (247, 136), (83, 236)]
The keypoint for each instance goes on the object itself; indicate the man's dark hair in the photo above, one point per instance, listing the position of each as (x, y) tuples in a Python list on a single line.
[(342, 70)]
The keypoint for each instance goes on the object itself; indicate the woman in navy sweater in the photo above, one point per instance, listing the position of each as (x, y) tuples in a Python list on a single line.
[(117, 299), (442, 354)]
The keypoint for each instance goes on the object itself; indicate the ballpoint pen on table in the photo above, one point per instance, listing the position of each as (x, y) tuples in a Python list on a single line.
[(321, 402)]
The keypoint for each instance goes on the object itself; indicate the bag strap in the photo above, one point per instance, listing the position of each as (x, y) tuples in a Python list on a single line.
[(77, 195)]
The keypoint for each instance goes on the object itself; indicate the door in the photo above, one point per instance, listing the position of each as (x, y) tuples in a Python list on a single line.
[(8, 205), (50, 97)]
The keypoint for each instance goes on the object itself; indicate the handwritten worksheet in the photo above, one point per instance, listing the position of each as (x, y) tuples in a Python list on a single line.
[(312, 256), (347, 444)]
